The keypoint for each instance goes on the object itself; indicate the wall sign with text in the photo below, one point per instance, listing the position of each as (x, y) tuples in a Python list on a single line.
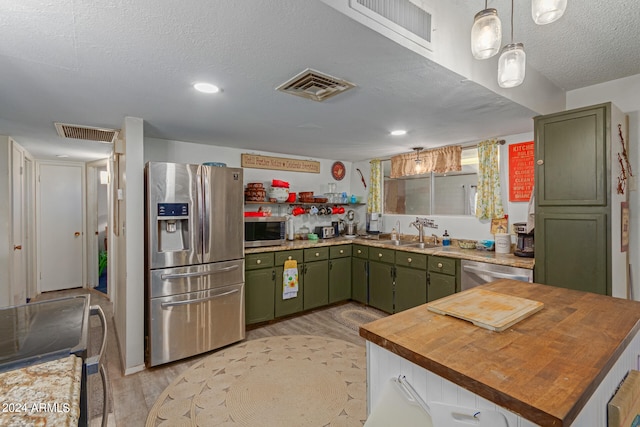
[(521, 172), (257, 161)]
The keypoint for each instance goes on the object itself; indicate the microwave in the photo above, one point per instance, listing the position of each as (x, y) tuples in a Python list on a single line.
[(264, 231)]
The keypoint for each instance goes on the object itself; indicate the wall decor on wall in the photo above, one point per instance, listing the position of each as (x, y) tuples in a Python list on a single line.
[(624, 241), (521, 172), (257, 161), (625, 167), (338, 171)]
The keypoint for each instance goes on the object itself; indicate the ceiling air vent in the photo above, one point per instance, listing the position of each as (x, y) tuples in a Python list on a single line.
[(408, 18), (315, 85), (86, 132)]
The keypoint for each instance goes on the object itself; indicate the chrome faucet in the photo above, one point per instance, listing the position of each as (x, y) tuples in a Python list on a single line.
[(419, 225)]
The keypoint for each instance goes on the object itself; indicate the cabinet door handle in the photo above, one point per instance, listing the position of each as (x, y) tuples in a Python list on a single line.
[(409, 260), (77, 233), (540, 162), (330, 265), (17, 248), (259, 261), (273, 275), (439, 265)]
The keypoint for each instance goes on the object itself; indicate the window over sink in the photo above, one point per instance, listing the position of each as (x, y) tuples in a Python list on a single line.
[(453, 193)]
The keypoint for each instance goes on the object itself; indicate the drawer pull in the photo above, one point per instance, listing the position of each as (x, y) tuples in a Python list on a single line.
[(289, 258), (359, 251), (317, 253), (439, 265), (259, 261), (341, 251), (379, 255), (409, 260)]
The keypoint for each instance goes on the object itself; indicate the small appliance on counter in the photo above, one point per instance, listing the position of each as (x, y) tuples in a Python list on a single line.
[(524, 245), (325, 232), (374, 223)]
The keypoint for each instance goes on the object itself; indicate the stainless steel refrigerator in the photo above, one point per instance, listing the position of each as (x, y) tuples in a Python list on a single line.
[(194, 259)]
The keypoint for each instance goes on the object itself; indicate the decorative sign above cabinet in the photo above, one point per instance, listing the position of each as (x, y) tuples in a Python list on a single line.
[(521, 172), (256, 161)]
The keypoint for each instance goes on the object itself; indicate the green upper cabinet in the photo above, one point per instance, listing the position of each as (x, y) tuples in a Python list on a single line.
[(577, 206), (571, 158)]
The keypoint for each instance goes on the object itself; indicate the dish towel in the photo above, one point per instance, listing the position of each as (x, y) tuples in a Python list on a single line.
[(290, 279), (531, 212)]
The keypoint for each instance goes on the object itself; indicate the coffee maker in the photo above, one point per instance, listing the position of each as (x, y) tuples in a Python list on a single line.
[(374, 223), (524, 242)]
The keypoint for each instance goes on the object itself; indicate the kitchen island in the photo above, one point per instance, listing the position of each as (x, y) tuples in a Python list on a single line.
[(558, 367)]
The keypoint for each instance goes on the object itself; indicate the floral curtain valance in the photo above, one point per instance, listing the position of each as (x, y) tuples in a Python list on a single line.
[(439, 160)]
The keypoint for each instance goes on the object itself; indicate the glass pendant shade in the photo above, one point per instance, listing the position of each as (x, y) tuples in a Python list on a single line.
[(486, 34), (511, 65), (547, 11)]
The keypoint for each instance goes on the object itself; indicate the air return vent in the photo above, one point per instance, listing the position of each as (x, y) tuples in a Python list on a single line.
[(86, 132), (408, 18), (315, 85)]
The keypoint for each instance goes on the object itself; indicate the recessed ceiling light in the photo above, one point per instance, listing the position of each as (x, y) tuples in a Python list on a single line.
[(206, 88), (398, 132), (62, 156)]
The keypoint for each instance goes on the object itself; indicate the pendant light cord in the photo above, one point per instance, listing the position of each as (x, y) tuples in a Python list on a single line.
[(511, 21)]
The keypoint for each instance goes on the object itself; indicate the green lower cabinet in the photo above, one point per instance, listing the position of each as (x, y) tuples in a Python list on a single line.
[(440, 285), (316, 284), (411, 288), (381, 286), (359, 280), (259, 289), (339, 279), (285, 307)]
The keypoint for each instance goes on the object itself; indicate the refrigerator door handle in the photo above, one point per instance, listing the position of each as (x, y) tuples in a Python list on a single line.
[(198, 273), (205, 219), (195, 301)]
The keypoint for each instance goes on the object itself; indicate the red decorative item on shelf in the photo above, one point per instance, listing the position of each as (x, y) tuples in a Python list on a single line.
[(291, 198), (278, 183)]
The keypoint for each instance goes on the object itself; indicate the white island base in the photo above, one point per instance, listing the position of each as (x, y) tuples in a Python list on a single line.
[(383, 365)]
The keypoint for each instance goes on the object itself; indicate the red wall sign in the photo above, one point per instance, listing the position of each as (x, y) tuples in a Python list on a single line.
[(520, 171)]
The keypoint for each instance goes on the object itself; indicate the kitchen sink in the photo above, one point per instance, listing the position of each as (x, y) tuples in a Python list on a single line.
[(412, 244)]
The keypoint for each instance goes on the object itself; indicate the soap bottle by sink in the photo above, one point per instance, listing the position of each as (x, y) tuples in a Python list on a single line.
[(446, 240)]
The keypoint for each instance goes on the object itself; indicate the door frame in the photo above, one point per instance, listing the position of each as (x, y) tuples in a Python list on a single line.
[(83, 228), (93, 181)]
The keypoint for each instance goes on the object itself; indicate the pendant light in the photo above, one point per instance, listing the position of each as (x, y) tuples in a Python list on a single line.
[(547, 11), (486, 33), (512, 62)]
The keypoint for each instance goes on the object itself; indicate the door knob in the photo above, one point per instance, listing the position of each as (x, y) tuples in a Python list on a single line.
[(77, 233), (17, 248)]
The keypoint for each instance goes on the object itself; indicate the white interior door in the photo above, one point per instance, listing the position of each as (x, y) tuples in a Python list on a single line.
[(18, 259), (61, 226)]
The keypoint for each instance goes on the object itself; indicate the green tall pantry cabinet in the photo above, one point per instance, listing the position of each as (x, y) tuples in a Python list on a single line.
[(577, 208)]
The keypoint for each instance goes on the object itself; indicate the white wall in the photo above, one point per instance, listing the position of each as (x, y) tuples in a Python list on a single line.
[(129, 295), (161, 150), (624, 94), (469, 227), (5, 221)]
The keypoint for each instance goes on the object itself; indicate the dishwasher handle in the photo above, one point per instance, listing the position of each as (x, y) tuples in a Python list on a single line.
[(495, 274)]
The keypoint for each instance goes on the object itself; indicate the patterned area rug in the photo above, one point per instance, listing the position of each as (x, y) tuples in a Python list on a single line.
[(293, 380), (354, 317)]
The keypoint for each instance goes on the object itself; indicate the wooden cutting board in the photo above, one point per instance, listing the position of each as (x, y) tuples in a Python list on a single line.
[(487, 309)]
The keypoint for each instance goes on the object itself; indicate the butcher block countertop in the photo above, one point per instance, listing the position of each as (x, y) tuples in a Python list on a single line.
[(545, 367)]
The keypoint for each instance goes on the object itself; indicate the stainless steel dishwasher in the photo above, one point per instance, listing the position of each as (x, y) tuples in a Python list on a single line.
[(476, 273)]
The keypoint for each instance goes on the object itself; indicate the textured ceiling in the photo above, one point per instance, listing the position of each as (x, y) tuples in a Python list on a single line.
[(95, 62)]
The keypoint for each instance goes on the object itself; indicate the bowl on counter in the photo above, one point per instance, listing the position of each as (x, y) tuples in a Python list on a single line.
[(467, 244)]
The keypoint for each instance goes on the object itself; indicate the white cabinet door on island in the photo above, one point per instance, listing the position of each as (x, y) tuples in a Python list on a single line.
[(559, 367)]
